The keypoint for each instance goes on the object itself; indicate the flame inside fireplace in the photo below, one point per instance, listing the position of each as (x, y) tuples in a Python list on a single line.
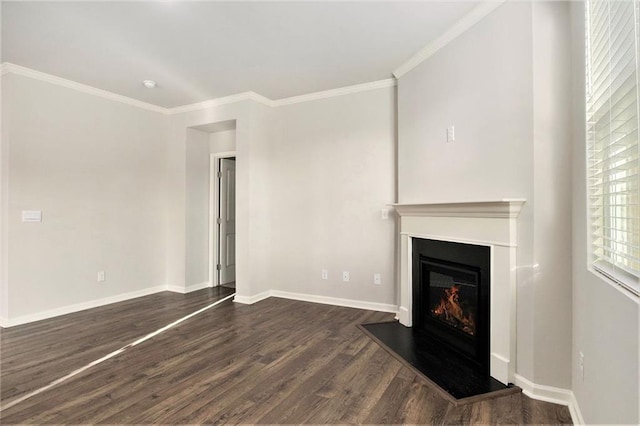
[(450, 311)]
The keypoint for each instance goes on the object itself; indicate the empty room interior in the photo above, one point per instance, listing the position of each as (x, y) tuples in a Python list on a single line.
[(395, 212)]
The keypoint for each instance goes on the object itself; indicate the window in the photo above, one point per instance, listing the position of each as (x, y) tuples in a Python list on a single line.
[(612, 55)]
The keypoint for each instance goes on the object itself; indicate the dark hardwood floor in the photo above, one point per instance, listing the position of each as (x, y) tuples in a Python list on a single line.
[(33, 355), (277, 361)]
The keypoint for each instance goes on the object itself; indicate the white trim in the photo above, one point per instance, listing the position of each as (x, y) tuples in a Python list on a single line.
[(7, 67), (553, 395), (505, 208), (199, 286), (543, 392), (250, 300), (253, 96), (326, 300), (466, 22), (189, 288), (380, 84), (238, 97), (37, 75), (81, 306), (214, 200), (628, 293), (574, 410), (499, 367), (402, 315)]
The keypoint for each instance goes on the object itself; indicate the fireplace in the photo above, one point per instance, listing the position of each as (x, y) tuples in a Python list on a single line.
[(451, 296), (491, 225)]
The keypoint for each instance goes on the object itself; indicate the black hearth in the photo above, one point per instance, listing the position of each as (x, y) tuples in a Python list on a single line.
[(451, 297), (456, 325), (448, 344)]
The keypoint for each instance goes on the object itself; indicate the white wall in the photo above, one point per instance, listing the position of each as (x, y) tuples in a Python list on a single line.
[(311, 181), (4, 203), (197, 207), (126, 191), (96, 170), (199, 144), (259, 244), (4, 191), (332, 172), (495, 86), (252, 162), (552, 193), (606, 320), (222, 141)]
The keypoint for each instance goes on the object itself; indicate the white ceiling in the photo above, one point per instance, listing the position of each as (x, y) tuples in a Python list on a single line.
[(198, 51)]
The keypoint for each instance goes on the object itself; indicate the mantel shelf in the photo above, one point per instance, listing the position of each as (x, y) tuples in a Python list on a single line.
[(506, 208)]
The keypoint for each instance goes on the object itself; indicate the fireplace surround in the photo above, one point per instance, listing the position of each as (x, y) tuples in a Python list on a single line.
[(489, 224), (451, 296)]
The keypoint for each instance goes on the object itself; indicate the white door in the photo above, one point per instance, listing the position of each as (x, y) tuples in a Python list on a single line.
[(227, 221)]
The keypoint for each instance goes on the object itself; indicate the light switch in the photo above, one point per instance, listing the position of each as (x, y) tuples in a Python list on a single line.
[(451, 134), (31, 216)]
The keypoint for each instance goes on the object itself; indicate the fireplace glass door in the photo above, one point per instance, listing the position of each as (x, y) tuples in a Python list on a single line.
[(451, 296)]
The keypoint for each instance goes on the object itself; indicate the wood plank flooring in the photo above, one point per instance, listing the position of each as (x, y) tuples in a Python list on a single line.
[(35, 354), (277, 361)]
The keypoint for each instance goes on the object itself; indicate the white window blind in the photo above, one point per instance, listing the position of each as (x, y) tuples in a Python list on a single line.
[(612, 55)]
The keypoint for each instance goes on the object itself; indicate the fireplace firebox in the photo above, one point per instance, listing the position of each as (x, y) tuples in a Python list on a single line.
[(451, 296)]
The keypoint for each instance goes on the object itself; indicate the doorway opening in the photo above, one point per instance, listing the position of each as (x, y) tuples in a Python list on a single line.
[(215, 160), (225, 221)]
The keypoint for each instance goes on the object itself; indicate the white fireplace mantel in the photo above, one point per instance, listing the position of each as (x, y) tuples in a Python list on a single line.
[(487, 223), (506, 208)]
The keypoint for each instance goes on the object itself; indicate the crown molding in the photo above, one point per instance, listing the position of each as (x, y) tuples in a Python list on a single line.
[(7, 67), (466, 22), (253, 96), (238, 97), (37, 75), (389, 82)]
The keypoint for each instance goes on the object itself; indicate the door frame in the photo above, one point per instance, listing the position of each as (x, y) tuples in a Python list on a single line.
[(214, 202)]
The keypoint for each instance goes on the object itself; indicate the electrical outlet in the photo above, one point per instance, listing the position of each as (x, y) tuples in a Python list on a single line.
[(345, 276), (581, 363), (377, 279), (101, 276), (325, 274)]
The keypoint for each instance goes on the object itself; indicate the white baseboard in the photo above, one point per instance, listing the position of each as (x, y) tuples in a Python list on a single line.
[(250, 300), (372, 306), (574, 409), (403, 316), (552, 394), (80, 306), (175, 289), (189, 288), (349, 303), (499, 367), (325, 300), (543, 392)]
